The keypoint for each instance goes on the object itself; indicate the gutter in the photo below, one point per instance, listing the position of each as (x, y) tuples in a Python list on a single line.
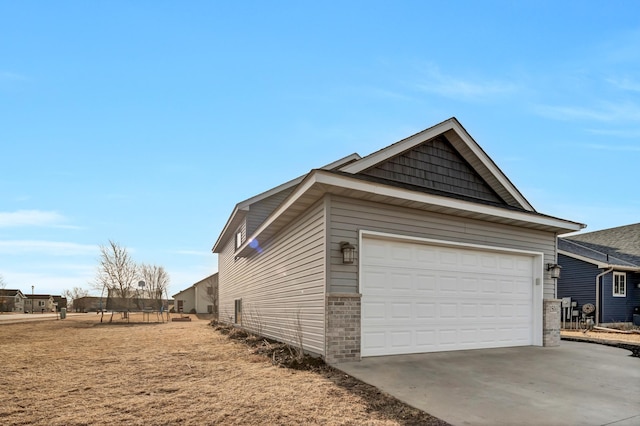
[(600, 275)]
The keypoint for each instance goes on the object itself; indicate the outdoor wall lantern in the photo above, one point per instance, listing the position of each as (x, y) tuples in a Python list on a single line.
[(348, 252), (554, 268)]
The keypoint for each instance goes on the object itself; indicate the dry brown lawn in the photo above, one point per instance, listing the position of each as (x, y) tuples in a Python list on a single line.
[(78, 372), (603, 336)]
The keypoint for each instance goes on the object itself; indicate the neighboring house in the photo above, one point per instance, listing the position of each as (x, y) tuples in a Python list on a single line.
[(201, 298), (60, 302), (38, 303), (422, 246), (11, 301), (602, 268), (88, 304)]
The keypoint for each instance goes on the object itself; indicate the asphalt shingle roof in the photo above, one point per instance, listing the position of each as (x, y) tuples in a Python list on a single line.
[(620, 244)]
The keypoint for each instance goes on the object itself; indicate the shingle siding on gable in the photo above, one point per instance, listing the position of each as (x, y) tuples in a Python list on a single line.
[(577, 280), (436, 165), (260, 210)]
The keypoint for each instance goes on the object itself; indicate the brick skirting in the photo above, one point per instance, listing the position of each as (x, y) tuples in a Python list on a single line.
[(342, 340), (551, 322)]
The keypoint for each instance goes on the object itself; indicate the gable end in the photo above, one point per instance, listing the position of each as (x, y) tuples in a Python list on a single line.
[(435, 165)]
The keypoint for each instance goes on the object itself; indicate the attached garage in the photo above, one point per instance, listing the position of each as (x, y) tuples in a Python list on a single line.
[(422, 246), (428, 296)]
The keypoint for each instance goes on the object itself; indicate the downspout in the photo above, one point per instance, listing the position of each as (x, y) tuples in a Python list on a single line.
[(600, 275), (555, 281)]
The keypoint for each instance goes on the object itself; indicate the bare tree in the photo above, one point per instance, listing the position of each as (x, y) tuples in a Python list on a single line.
[(156, 281), (74, 297), (117, 274), (212, 296)]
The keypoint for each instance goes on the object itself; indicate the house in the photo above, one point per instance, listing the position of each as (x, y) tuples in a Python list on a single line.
[(422, 246), (200, 298), (39, 303), (602, 268), (60, 302), (88, 304), (11, 301)]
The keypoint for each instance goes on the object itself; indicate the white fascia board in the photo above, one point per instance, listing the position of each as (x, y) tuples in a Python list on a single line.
[(584, 259), (246, 203), (599, 265), (345, 160), (326, 178), (442, 201), (299, 191), (236, 211), (489, 164), (243, 205), (398, 147), (450, 124)]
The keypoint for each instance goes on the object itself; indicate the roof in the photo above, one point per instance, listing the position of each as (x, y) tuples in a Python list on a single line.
[(37, 296), (349, 180), (241, 208), (464, 144), (195, 285), (619, 246), (10, 292)]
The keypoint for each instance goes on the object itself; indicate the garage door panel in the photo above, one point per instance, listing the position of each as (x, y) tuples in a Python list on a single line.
[(400, 339), (372, 311), (443, 298), (425, 310)]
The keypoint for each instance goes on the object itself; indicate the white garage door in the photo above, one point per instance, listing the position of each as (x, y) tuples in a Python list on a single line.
[(427, 298)]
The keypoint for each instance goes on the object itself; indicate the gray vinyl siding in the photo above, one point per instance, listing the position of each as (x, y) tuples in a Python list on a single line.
[(349, 216), (282, 285), (260, 210), (577, 280)]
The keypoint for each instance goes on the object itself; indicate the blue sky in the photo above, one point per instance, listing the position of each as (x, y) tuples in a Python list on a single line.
[(145, 122)]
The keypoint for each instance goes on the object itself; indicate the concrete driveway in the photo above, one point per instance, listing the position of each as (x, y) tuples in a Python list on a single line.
[(574, 384)]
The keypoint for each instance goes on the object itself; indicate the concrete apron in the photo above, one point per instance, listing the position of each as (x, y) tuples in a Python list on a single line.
[(573, 384)]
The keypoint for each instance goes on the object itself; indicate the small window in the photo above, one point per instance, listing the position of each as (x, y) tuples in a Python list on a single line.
[(239, 239), (238, 319), (619, 284), (209, 290)]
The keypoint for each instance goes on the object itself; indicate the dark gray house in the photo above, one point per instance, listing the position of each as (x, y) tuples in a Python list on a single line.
[(602, 268)]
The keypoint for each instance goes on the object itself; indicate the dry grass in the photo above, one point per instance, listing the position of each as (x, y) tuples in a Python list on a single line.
[(603, 335), (79, 372)]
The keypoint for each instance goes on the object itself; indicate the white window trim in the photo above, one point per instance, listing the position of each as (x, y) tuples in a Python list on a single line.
[(239, 239), (622, 290)]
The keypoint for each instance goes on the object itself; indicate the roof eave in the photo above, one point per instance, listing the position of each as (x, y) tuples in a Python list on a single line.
[(319, 182)]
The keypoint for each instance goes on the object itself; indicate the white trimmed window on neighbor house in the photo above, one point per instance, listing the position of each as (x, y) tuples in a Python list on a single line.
[(619, 284)]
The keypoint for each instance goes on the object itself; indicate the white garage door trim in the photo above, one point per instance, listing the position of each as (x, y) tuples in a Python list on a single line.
[(370, 347)]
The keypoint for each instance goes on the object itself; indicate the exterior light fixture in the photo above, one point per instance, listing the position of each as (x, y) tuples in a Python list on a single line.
[(348, 252), (554, 268)]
